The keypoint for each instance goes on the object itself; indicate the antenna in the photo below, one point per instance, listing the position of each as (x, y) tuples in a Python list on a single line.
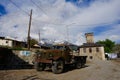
[(39, 36)]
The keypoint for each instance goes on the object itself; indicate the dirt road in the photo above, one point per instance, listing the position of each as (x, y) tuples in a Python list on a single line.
[(96, 70)]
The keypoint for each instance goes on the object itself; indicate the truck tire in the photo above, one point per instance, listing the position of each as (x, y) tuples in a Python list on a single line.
[(57, 66), (39, 66), (78, 65)]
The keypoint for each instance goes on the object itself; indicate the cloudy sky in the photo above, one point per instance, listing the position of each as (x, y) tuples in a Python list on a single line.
[(61, 19)]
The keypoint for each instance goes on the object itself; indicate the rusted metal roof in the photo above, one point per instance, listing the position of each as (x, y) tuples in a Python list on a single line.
[(90, 45)]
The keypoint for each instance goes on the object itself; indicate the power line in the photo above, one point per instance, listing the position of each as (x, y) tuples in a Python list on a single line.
[(75, 24), (107, 23), (38, 7), (48, 22), (18, 7)]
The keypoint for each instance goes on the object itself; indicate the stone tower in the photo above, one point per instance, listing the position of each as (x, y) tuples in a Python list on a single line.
[(89, 37)]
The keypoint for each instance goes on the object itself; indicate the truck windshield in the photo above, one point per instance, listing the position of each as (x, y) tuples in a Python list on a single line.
[(58, 47)]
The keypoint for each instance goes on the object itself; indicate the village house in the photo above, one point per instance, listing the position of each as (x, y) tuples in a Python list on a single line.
[(11, 42), (91, 49)]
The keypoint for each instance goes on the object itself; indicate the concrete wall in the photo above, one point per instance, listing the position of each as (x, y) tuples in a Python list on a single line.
[(15, 59), (4, 42), (27, 56)]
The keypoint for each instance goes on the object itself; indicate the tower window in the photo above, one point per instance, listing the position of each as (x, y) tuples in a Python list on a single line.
[(97, 49), (90, 50), (84, 50), (91, 57)]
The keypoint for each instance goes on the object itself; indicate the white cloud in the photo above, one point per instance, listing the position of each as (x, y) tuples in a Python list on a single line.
[(80, 39), (60, 12), (112, 34)]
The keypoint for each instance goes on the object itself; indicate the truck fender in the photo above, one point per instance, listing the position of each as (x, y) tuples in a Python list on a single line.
[(56, 58)]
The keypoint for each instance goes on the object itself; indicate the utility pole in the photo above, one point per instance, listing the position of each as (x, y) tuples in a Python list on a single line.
[(67, 30), (39, 36), (28, 40), (67, 36), (39, 39)]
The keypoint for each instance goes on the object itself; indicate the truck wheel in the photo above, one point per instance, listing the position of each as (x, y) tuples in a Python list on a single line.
[(78, 65), (57, 66), (39, 66), (83, 65)]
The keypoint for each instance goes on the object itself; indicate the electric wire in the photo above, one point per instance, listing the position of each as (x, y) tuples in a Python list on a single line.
[(39, 7), (75, 24), (18, 7)]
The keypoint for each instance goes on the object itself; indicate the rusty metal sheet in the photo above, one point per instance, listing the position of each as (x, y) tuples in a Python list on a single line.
[(44, 60)]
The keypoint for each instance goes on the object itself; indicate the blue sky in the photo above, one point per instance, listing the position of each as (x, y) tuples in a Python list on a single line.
[(2, 10), (52, 17), (81, 3)]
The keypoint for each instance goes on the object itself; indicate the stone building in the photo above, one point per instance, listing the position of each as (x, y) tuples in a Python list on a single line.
[(91, 49), (89, 37)]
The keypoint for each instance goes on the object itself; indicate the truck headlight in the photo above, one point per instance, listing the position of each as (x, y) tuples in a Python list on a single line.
[(50, 55), (39, 55)]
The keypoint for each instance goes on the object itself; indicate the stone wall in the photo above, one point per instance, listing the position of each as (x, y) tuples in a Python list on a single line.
[(94, 54)]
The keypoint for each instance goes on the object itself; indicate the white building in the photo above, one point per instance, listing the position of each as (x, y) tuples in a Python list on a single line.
[(11, 43)]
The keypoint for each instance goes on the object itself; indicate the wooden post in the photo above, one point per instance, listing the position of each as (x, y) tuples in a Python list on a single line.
[(28, 40)]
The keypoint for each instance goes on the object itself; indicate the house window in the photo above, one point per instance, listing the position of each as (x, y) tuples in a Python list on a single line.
[(90, 50), (6, 41), (97, 49), (84, 50), (79, 50), (91, 57)]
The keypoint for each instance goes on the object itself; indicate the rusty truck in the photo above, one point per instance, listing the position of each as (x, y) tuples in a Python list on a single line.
[(56, 58)]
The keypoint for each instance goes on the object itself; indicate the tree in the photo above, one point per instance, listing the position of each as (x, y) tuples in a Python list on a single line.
[(108, 45), (33, 41), (116, 48)]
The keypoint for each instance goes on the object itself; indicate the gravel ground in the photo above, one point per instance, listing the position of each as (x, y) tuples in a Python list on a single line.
[(95, 70)]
